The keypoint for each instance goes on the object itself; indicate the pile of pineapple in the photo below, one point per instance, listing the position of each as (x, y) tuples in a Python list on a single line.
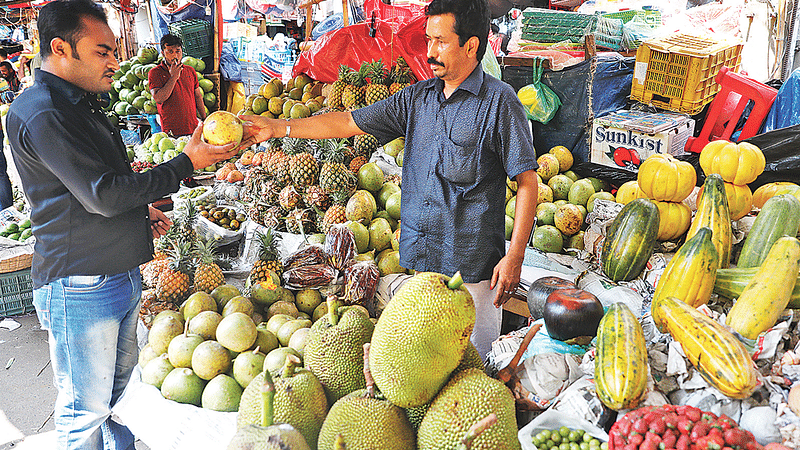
[(302, 185), (372, 82), (182, 264)]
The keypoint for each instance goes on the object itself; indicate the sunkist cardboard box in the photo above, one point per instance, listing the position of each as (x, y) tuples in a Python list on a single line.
[(625, 139)]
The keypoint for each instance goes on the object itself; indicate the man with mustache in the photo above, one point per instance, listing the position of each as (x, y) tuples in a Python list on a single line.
[(91, 219), (175, 90), (465, 131)]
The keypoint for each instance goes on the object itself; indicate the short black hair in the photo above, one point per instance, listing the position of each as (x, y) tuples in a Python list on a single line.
[(170, 40), (62, 19), (3, 53), (472, 19)]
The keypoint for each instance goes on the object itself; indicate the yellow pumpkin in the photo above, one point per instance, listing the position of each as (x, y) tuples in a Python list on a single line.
[(666, 179), (737, 163), (674, 220), (629, 192), (769, 190), (740, 200)]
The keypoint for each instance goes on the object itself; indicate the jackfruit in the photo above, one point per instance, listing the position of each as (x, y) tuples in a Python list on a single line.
[(334, 350), (415, 415), (470, 360), (420, 338), (265, 435), (366, 423), (467, 398), (299, 401)]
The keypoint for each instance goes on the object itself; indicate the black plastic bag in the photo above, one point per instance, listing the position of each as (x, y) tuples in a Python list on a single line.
[(781, 149), (608, 80)]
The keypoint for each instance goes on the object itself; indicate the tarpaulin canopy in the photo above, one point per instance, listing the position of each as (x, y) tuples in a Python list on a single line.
[(351, 45)]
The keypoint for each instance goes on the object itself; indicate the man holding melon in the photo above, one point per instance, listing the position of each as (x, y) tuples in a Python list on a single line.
[(465, 132), (90, 217)]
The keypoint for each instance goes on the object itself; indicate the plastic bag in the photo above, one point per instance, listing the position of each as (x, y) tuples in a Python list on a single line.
[(540, 102), (635, 31), (781, 149), (340, 246), (307, 256), (309, 277), (360, 284), (784, 112), (229, 65)]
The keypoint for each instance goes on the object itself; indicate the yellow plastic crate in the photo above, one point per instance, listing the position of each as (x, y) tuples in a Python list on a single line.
[(677, 72)]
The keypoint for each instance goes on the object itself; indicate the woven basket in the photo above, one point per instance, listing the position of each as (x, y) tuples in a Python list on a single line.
[(15, 263)]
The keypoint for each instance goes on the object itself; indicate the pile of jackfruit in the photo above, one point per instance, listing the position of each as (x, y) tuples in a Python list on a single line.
[(410, 380)]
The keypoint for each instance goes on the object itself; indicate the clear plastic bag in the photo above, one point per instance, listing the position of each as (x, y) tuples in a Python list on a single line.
[(360, 284), (310, 277), (340, 246), (635, 31), (540, 102), (307, 256)]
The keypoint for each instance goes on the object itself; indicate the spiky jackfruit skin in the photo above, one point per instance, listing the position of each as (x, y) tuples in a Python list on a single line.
[(275, 437), (366, 424), (420, 338), (335, 354), (468, 397), (299, 401), (470, 360), (415, 415)]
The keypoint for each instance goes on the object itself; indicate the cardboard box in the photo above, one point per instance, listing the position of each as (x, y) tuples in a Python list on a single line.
[(626, 138), (238, 29)]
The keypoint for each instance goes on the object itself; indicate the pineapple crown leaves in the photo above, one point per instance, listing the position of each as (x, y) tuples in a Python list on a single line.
[(294, 146), (341, 197), (268, 241), (377, 72), (188, 214), (358, 77), (205, 251), (180, 257), (344, 71), (334, 150)]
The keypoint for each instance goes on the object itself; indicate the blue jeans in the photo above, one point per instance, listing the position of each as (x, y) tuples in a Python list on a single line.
[(91, 322)]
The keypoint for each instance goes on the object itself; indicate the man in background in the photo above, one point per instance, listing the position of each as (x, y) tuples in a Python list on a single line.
[(175, 90)]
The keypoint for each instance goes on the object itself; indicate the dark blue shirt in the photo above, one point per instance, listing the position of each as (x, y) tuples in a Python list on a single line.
[(457, 154), (88, 208)]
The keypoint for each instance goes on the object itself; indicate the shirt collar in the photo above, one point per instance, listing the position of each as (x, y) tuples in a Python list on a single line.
[(471, 84), (73, 93)]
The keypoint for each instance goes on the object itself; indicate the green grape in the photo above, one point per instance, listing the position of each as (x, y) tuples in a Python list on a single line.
[(587, 437), (584, 446), (556, 438), (604, 446), (564, 431), (564, 446)]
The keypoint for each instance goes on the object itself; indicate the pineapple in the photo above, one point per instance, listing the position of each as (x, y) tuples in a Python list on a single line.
[(357, 162), (336, 213), (187, 218), (175, 280), (353, 94), (304, 169), (273, 218), (376, 89), (267, 257), (334, 175), (151, 271), (337, 88), (208, 274), (256, 212), (316, 197), (365, 144), (300, 221), (400, 80), (289, 197)]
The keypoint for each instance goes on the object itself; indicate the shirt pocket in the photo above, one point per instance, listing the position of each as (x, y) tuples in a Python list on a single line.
[(458, 164)]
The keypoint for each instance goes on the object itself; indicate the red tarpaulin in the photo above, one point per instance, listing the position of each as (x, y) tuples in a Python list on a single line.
[(352, 45)]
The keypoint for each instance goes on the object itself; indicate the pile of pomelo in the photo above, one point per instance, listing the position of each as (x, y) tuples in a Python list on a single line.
[(564, 200)]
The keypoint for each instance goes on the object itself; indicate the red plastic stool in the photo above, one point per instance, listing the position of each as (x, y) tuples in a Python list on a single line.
[(726, 108)]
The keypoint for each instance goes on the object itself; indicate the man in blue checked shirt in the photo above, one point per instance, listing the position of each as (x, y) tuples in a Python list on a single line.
[(465, 131)]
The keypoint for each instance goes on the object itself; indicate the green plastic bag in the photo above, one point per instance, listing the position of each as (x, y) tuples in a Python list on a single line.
[(540, 102)]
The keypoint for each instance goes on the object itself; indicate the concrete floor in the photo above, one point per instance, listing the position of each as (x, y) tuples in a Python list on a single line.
[(26, 384)]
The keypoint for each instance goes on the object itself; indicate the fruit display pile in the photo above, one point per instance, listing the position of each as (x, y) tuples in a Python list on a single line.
[(17, 231), (158, 148), (680, 428), (130, 92), (564, 200), (567, 439)]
